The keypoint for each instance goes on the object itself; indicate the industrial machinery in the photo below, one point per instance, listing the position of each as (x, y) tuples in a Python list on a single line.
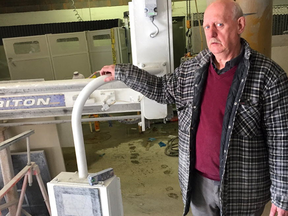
[(79, 193), (39, 99), (100, 193)]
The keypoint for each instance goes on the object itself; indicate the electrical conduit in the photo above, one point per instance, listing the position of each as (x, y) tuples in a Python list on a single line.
[(77, 126)]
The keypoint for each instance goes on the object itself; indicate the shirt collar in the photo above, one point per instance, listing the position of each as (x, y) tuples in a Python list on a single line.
[(229, 64)]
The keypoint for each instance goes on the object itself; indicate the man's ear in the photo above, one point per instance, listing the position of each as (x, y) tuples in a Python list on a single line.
[(241, 24)]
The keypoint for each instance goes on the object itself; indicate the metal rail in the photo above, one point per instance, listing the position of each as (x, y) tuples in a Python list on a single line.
[(14, 139), (112, 118)]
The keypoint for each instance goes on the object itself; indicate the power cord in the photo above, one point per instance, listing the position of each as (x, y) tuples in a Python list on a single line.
[(75, 10), (172, 148)]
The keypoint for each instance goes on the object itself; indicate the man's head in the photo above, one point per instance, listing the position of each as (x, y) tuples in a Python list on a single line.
[(223, 25)]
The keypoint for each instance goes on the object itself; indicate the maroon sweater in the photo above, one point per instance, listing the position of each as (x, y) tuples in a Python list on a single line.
[(209, 131)]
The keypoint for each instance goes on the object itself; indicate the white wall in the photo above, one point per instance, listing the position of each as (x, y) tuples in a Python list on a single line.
[(280, 50), (56, 16), (280, 2), (101, 13)]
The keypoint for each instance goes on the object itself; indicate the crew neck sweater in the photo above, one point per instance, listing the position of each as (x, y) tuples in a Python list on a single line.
[(209, 130)]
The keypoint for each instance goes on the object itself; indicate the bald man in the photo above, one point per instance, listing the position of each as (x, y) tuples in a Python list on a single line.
[(232, 105)]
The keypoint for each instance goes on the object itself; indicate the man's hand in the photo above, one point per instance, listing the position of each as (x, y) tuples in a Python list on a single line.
[(279, 211), (108, 70)]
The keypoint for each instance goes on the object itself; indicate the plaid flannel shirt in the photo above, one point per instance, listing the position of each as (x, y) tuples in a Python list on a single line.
[(254, 140)]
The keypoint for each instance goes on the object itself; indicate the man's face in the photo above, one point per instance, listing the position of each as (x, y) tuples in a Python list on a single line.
[(222, 31)]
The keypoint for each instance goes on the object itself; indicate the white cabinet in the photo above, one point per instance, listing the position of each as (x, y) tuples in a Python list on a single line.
[(107, 47), (28, 57), (69, 53), (57, 56)]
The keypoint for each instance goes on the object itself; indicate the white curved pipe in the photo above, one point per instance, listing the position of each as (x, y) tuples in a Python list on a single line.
[(77, 126)]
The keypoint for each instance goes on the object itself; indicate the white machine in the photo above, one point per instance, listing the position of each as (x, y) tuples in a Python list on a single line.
[(79, 193), (96, 194), (70, 196), (152, 45)]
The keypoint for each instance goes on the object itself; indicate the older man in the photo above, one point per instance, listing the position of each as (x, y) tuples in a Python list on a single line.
[(232, 105)]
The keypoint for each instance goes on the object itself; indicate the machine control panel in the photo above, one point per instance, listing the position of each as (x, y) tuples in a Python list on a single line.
[(151, 8)]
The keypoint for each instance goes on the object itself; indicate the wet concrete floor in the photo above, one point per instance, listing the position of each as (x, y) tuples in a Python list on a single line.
[(149, 178)]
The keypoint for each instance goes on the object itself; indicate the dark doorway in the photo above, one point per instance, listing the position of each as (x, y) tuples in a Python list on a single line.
[(179, 39)]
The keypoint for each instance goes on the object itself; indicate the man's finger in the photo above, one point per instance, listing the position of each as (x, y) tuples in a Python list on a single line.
[(108, 79)]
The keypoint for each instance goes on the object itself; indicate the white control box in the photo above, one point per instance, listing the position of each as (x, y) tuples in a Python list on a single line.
[(70, 195)]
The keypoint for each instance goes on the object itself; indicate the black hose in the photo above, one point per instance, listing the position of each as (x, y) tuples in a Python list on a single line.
[(172, 148)]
